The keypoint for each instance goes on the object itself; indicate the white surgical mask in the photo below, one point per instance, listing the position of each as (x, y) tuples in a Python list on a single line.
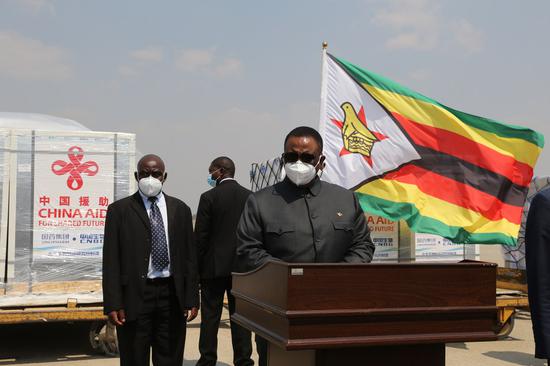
[(300, 173), (150, 186)]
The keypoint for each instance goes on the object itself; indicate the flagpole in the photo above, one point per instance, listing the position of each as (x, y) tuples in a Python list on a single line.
[(323, 104)]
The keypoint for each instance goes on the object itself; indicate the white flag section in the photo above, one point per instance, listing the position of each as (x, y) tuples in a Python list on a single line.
[(361, 140)]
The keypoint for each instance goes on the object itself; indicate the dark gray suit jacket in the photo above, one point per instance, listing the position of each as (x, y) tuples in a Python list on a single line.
[(322, 223), (127, 248), (537, 260)]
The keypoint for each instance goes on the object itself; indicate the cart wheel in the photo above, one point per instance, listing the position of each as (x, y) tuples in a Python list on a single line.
[(506, 328), (103, 338)]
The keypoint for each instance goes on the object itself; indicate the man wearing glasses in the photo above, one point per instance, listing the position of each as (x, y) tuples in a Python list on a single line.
[(302, 219)]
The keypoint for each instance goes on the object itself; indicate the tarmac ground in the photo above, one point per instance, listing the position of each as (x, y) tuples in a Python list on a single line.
[(67, 345)]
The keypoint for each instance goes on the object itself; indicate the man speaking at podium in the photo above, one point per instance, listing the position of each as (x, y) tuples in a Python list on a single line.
[(302, 219)]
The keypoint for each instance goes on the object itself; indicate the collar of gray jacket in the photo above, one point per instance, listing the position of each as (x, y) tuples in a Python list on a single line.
[(314, 187)]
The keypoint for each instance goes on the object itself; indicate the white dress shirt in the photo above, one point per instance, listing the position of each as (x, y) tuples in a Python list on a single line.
[(224, 179), (161, 204)]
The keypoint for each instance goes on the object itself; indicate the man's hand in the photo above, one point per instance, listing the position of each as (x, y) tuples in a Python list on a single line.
[(118, 317), (190, 315)]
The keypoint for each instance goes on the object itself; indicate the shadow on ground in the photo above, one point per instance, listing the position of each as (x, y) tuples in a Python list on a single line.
[(518, 358), (457, 345), (45, 342), (193, 362), (54, 342)]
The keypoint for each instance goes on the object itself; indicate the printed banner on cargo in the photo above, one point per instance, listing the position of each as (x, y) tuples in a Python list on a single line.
[(385, 236), (436, 248), (73, 185)]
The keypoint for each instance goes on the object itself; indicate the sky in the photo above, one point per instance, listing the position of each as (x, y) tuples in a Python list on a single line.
[(198, 79)]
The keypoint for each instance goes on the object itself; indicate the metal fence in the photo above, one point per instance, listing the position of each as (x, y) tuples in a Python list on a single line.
[(515, 256), (266, 174)]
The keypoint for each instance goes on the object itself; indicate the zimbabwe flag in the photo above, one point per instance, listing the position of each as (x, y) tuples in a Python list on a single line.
[(410, 157)]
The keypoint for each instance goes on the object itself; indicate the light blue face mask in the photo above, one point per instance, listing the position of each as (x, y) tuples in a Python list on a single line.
[(211, 181)]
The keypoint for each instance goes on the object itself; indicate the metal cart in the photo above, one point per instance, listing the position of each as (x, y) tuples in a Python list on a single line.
[(102, 334), (511, 295)]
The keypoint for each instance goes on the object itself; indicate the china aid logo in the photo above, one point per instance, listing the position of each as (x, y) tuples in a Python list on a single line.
[(75, 168)]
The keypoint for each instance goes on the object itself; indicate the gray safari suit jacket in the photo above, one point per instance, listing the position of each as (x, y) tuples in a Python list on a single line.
[(321, 223)]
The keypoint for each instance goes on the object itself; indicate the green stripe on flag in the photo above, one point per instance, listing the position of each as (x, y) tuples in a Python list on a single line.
[(486, 124), (498, 128), (399, 210)]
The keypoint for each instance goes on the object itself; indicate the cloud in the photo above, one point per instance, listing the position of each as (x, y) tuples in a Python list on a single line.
[(37, 6), (148, 54), (205, 60), (194, 59), (30, 59), (413, 24), (229, 67), (140, 59), (468, 36), (418, 24), (189, 60), (128, 70)]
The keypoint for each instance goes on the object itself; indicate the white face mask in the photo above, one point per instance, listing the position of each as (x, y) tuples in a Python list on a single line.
[(300, 173), (150, 186)]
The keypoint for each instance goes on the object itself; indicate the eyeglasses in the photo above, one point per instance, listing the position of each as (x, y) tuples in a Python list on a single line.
[(292, 157)]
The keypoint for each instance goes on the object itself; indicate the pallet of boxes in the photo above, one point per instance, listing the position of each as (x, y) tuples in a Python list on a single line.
[(56, 181)]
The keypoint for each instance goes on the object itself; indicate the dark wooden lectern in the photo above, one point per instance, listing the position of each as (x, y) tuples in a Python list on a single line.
[(366, 314)]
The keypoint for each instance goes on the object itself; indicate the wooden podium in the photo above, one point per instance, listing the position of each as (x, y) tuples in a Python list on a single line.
[(366, 314)]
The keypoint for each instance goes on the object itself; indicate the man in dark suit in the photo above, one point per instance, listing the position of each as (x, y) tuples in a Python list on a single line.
[(150, 279), (217, 216), (537, 260), (302, 219)]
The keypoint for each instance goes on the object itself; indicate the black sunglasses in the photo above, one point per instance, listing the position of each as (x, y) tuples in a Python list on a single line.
[(292, 157)]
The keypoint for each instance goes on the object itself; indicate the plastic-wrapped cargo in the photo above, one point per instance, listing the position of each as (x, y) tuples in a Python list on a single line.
[(4, 196), (435, 248), (60, 184)]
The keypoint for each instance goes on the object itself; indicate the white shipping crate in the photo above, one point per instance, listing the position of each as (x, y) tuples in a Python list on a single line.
[(385, 236), (434, 248), (60, 186), (4, 197)]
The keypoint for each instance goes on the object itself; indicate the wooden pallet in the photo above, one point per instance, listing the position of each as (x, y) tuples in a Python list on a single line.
[(58, 287)]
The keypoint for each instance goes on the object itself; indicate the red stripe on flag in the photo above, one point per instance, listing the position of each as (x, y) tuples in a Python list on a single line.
[(457, 193), (468, 150)]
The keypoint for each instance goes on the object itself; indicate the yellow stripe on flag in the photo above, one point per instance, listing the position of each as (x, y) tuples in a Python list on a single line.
[(443, 211), (434, 116)]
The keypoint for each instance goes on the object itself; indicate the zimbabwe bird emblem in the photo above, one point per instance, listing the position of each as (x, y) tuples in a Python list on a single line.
[(356, 136)]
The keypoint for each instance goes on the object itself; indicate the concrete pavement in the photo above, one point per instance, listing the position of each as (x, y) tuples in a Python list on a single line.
[(67, 345)]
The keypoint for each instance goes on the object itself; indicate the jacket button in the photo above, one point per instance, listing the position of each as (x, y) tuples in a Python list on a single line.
[(142, 276)]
